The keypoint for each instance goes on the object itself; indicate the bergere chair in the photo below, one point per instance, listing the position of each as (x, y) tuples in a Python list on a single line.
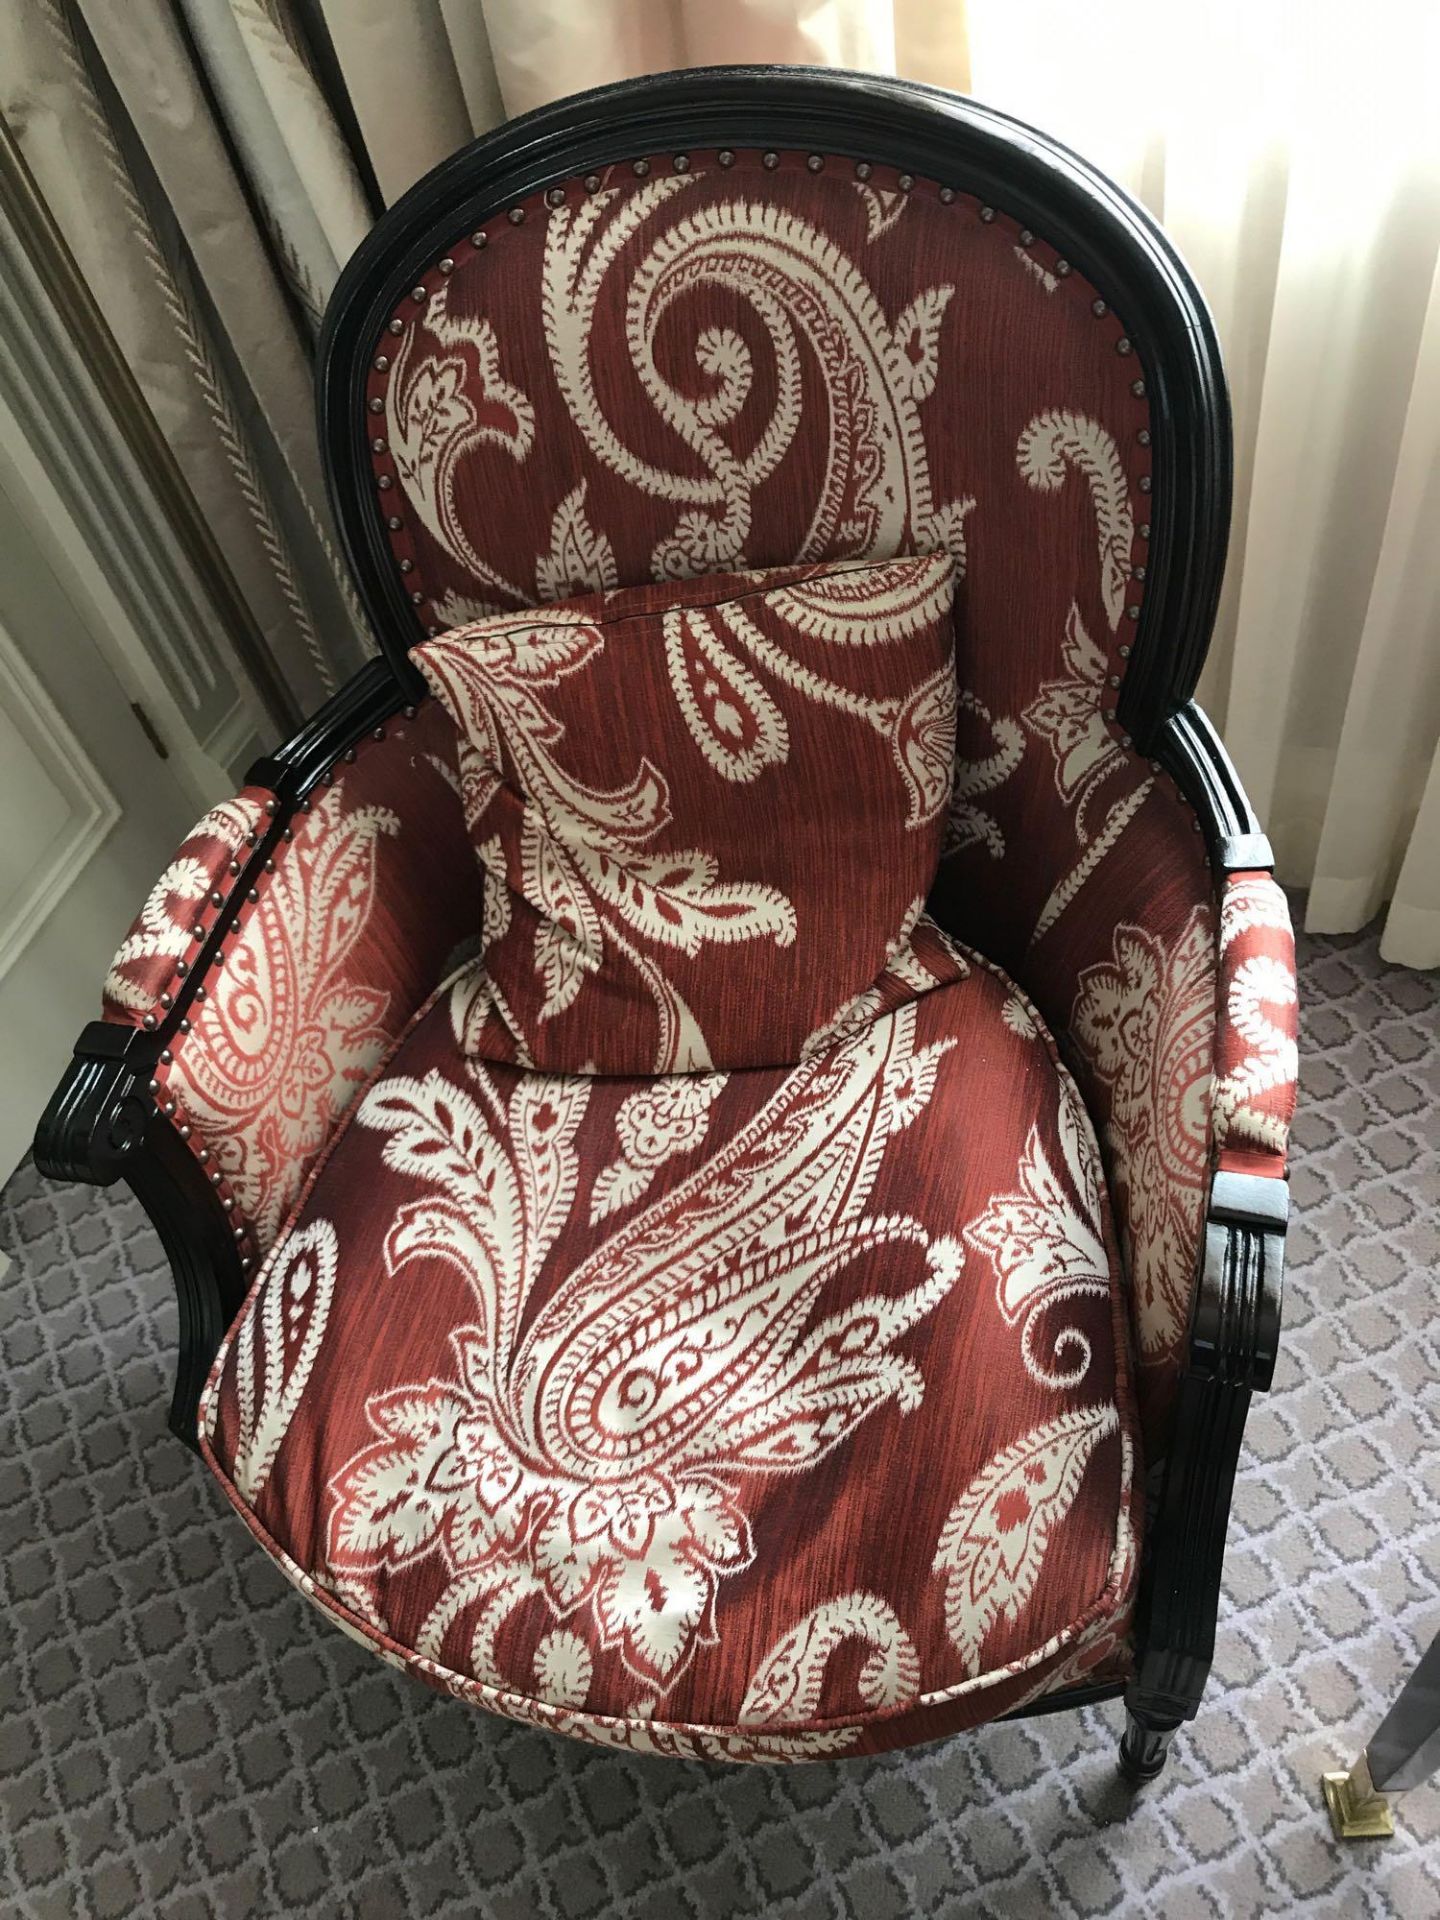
[(722, 1141)]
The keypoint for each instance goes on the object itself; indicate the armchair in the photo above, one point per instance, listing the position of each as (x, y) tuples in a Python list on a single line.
[(740, 319)]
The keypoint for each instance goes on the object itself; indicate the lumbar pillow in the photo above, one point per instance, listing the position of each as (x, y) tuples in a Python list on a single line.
[(707, 810)]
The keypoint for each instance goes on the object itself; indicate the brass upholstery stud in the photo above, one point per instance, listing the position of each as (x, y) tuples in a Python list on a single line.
[(416, 599), (1124, 649), (377, 405), (1026, 237), (726, 157), (407, 566), (418, 293), (169, 1108), (516, 216), (863, 170), (905, 182), (182, 967), (1122, 345), (1133, 612), (1137, 387), (947, 194), (378, 734), (383, 481), (185, 1130), (1143, 436), (447, 265), (1145, 531), (252, 896), (1062, 267), (1114, 679), (350, 756), (592, 183), (410, 713), (815, 162), (1138, 572), (480, 240), (1097, 307), (239, 1233), (395, 523), (681, 163), (217, 899), (1145, 483), (397, 326), (269, 866), (382, 362), (640, 168), (203, 1155), (197, 932), (770, 160), (167, 1001), (200, 993), (1109, 713), (234, 866), (228, 1203), (154, 1086), (377, 446), (1126, 741), (555, 197), (987, 214)]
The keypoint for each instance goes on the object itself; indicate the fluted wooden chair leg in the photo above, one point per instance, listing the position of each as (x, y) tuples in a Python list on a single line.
[(1144, 1748)]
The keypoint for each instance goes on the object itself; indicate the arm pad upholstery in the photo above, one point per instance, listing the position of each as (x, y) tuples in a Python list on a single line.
[(369, 887)]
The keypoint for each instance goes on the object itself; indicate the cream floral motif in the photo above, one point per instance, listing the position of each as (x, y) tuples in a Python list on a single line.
[(874, 496), (738, 726), (161, 932), (438, 408), (583, 862), (969, 825), (591, 1454), (1253, 1099), (289, 1034), (1145, 1020), (668, 1117), (883, 207), (786, 1687), (1068, 713), (275, 1351), (1059, 439), (580, 560), (1047, 1243), (995, 1540)]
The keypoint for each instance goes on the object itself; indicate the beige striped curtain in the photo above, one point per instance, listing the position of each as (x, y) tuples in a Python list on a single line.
[(213, 163)]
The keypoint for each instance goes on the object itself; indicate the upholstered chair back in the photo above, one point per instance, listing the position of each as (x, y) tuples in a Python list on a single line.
[(608, 358)]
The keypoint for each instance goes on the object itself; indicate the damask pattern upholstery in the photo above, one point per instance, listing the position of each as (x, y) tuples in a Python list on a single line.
[(768, 358), (368, 892), (708, 813), (180, 910), (1256, 1060), (766, 1415)]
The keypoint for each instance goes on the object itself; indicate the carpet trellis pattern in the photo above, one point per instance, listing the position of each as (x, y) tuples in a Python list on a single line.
[(180, 1735)]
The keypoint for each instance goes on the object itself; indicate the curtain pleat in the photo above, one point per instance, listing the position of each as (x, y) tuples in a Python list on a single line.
[(1291, 150)]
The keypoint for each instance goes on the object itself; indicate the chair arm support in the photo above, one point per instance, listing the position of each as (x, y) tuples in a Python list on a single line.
[(1233, 1339)]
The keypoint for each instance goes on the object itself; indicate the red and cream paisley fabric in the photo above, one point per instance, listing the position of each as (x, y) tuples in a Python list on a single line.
[(757, 360), (708, 813), (180, 909), (369, 891), (1256, 1060), (599, 1401)]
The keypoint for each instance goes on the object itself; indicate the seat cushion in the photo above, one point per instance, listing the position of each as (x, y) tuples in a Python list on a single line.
[(707, 809), (766, 1415)]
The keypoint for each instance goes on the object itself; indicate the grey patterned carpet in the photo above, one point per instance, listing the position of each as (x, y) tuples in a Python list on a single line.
[(181, 1736)]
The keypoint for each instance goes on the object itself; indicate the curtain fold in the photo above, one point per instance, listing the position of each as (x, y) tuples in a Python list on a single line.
[(217, 170)]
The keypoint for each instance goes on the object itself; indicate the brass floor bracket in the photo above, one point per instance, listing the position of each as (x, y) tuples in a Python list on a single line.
[(1357, 1811)]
